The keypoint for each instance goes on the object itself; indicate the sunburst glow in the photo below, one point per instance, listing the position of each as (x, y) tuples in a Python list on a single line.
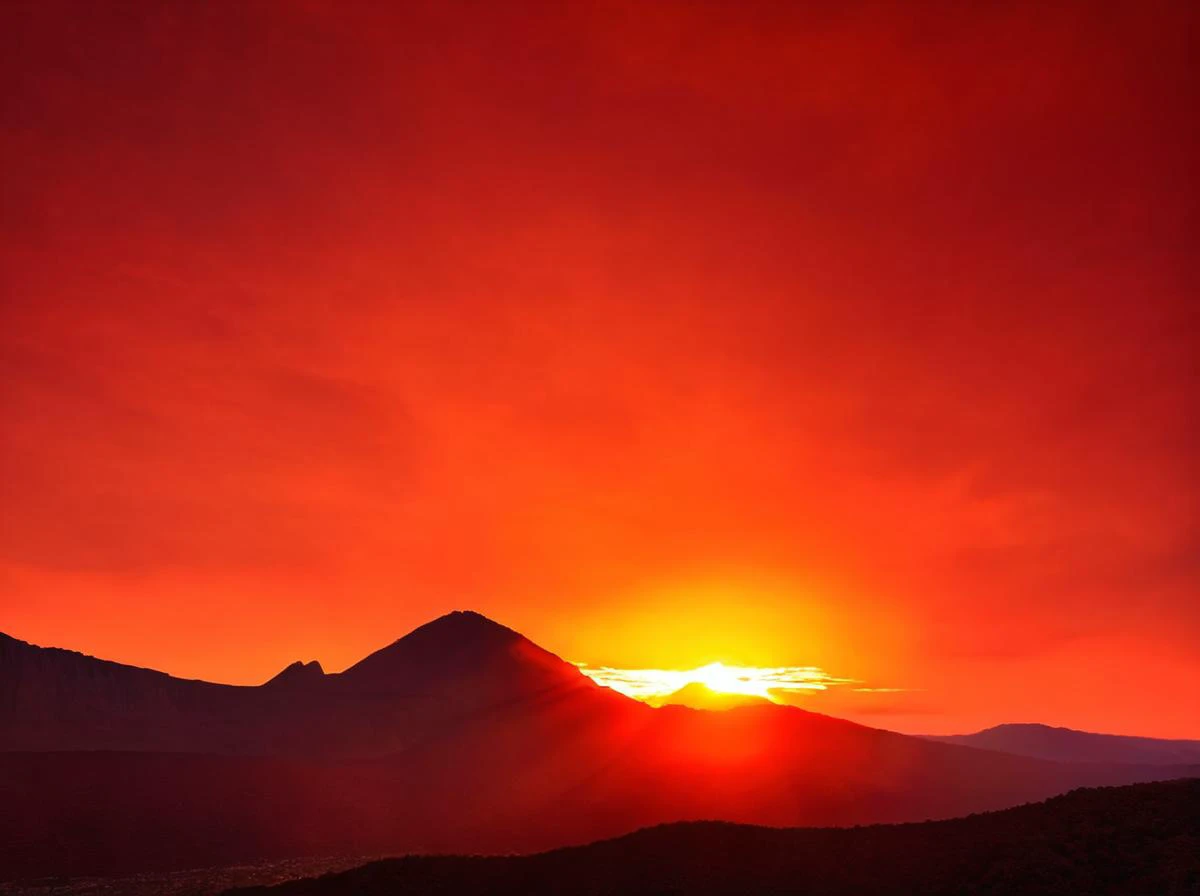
[(769, 682)]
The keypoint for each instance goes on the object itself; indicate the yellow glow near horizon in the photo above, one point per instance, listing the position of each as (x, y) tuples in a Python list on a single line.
[(725, 680), (651, 685)]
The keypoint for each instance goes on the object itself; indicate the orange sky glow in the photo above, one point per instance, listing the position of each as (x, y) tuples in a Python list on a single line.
[(852, 341)]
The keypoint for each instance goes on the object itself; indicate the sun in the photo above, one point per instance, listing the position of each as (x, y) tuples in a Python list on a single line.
[(767, 682), (728, 680)]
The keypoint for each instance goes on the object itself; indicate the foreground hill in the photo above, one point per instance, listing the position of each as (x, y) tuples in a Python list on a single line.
[(1068, 745), (1142, 839), (462, 736)]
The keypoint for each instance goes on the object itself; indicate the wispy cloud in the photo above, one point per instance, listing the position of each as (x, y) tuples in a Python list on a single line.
[(769, 681)]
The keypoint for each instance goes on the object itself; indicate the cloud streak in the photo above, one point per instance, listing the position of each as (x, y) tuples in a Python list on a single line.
[(650, 685)]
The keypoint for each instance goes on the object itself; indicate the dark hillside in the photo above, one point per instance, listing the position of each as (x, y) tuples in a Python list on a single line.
[(1140, 840)]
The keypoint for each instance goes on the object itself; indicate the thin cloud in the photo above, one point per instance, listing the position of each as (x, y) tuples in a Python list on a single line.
[(773, 681)]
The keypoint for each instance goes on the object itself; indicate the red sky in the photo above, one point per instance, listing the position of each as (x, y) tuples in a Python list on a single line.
[(860, 336)]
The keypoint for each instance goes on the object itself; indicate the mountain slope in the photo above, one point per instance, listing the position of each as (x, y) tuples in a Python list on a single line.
[(1140, 839), (1068, 745)]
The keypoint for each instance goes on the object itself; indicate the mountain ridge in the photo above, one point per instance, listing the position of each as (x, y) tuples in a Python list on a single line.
[(458, 664)]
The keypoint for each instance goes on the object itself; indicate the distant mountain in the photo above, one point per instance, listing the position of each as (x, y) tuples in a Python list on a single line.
[(1118, 841), (697, 695), (462, 736), (1068, 745)]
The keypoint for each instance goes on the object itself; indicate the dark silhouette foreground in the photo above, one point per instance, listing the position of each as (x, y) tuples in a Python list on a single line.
[(1140, 840)]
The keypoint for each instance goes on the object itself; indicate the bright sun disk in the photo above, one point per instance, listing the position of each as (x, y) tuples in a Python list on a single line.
[(725, 680)]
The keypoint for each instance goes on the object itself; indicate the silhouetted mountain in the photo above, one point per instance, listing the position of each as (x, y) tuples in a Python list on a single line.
[(461, 736), (462, 655), (52, 699), (1068, 745), (1120, 841), (697, 695)]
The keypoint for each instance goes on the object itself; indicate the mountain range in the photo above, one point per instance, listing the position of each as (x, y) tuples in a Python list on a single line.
[(462, 736)]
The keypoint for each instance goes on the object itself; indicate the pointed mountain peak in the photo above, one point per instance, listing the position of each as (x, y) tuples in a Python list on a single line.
[(298, 673), (466, 622), (457, 632), (464, 651)]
